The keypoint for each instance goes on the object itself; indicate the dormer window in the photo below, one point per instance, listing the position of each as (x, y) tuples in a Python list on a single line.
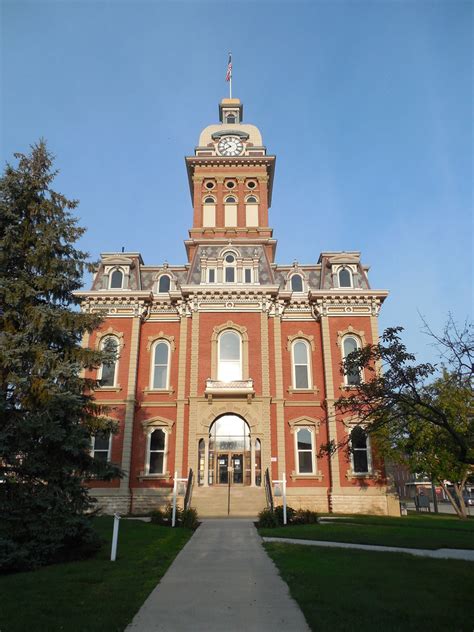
[(345, 277), (116, 280), (230, 118), (164, 284), (296, 283)]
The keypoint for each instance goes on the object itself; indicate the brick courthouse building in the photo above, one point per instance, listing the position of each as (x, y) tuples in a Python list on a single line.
[(230, 363)]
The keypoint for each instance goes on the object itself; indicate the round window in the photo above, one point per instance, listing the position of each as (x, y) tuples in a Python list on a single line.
[(230, 258), (230, 184), (251, 184), (209, 185)]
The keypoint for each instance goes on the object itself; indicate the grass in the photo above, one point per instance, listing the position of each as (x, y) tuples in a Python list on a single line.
[(416, 531), (349, 591), (93, 594)]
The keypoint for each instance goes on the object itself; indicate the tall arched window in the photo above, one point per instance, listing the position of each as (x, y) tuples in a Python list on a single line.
[(360, 451), (229, 268), (345, 277), (116, 280), (230, 357), (297, 283), (251, 211), (164, 284), (108, 370), (301, 364), (161, 363), (350, 344), (156, 452)]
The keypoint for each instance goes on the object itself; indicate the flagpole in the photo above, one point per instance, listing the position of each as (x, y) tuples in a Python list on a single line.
[(230, 80)]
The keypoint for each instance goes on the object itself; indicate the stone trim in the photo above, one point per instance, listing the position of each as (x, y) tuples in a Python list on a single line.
[(110, 332), (158, 422), (280, 415), (331, 412), (302, 336), (304, 422), (348, 332), (160, 336)]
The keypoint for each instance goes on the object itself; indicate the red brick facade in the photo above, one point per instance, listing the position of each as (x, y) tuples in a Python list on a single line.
[(232, 308)]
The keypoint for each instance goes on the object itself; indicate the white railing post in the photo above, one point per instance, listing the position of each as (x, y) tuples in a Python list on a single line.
[(175, 489), (113, 552), (284, 497)]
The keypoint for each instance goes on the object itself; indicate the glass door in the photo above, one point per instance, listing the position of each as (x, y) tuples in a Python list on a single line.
[(238, 468), (222, 469)]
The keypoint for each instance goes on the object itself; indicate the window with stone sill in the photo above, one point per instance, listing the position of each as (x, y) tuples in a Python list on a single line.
[(305, 451), (108, 371), (100, 446), (360, 451), (301, 367), (160, 365), (229, 356), (156, 452), (350, 344)]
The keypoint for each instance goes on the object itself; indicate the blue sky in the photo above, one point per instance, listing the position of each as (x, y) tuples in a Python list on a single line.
[(367, 105)]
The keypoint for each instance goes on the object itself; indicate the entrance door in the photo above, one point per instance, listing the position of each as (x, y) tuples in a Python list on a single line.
[(222, 469), (230, 466), (238, 468)]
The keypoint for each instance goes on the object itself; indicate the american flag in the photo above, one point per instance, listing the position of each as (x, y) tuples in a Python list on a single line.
[(228, 74)]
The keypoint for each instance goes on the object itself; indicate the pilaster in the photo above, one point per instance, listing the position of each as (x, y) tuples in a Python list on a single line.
[(130, 403), (181, 391), (331, 411), (280, 414)]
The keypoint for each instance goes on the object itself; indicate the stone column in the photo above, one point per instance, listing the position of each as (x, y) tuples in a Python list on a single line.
[(252, 462), (206, 462), (280, 414)]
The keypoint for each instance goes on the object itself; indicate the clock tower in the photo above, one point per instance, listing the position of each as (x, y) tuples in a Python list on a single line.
[(231, 179)]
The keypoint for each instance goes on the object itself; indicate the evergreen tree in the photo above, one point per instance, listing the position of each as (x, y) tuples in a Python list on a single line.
[(47, 411)]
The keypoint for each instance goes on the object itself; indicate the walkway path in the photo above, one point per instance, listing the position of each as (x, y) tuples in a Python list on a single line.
[(221, 580), (452, 554)]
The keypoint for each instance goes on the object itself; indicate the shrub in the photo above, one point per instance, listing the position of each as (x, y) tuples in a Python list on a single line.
[(189, 518), (290, 512), (305, 516), (267, 519)]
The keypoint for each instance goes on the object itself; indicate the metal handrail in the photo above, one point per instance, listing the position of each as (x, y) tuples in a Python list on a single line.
[(189, 490), (268, 489)]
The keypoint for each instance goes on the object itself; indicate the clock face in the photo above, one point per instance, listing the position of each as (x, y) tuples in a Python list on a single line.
[(230, 146)]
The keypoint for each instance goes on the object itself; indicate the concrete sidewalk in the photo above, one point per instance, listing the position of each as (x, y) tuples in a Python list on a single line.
[(221, 580), (447, 554)]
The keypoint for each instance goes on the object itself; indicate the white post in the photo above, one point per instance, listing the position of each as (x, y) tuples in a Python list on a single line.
[(175, 490), (113, 553), (284, 497)]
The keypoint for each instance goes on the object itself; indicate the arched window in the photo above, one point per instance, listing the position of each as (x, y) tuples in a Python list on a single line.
[(108, 370), (251, 199), (164, 284), (161, 363), (116, 279), (251, 211), (156, 451), (360, 451), (297, 283), (230, 118), (209, 200), (301, 364), (230, 200), (229, 268), (305, 452), (350, 344), (230, 356), (345, 277)]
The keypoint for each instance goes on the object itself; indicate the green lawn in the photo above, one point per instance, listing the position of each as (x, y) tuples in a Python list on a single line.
[(93, 594), (350, 591), (419, 531)]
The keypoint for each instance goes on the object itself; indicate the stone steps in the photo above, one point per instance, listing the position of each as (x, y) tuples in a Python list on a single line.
[(213, 501)]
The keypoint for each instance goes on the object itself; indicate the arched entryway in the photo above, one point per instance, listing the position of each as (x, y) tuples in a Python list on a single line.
[(230, 455)]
